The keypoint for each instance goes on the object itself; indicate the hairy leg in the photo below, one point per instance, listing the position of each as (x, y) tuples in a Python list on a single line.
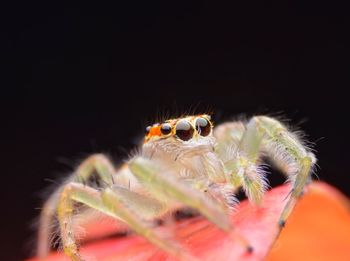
[(239, 148), (119, 203), (270, 135), (96, 163), (165, 187)]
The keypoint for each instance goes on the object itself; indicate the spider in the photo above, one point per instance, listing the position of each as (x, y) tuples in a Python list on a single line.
[(183, 162)]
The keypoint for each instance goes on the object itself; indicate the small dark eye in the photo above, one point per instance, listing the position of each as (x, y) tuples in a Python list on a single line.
[(203, 126), (184, 130), (147, 130), (165, 128)]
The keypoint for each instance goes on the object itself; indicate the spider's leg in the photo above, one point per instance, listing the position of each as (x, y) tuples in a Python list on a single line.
[(239, 149), (248, 170), (95, 163), (119, 203), (270, 135), (166, 187), (45, 224)]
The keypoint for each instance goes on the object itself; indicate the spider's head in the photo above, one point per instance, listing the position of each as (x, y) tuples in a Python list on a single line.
[(190, 135)]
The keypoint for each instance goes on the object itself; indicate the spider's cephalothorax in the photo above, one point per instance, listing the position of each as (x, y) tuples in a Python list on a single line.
[(183, 162)]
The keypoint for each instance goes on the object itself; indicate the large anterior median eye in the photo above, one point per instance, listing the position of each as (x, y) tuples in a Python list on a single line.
[(184, 130), (203, 126)]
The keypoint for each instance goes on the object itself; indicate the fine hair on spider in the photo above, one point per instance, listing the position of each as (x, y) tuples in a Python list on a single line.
[(183, 162)]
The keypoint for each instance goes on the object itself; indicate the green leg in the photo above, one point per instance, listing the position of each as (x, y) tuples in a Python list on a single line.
[(116, 202), (228, 136), (96, 163), (166, 187), (277, 140), (45, 225), (243, 164)]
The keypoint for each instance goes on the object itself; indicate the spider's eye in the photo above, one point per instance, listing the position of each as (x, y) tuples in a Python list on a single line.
[(184, 130), (147, 130), (203, 126), (165, 129)]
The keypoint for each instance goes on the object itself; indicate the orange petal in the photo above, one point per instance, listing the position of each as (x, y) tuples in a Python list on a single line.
[(319, 229)]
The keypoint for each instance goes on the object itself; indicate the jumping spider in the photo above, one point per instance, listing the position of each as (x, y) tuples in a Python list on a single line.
[(183, 162)]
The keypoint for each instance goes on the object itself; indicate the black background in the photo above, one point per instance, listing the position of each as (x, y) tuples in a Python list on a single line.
[(88, 78)]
